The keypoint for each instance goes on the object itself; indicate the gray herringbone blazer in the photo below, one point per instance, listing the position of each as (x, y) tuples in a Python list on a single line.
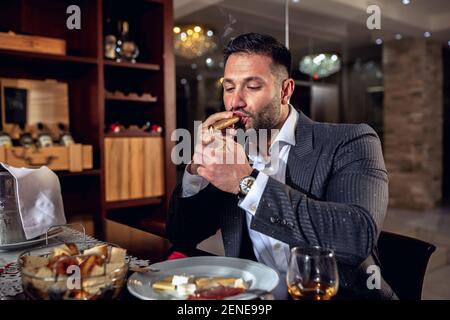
[(335, 196)]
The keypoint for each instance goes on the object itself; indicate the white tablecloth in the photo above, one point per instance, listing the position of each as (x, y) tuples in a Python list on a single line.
[(10, 281)]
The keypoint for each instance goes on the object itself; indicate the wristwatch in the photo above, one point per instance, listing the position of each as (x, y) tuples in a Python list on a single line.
[(246, 183)]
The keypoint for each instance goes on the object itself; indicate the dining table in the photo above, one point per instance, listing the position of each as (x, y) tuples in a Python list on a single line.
[(10, 275), (11, 278)]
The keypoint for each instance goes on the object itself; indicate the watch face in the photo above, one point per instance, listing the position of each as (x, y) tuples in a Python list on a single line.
[(246, 184)]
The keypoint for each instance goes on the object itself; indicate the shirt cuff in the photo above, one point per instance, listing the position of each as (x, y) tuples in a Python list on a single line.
[(192, 184), (251, 201)]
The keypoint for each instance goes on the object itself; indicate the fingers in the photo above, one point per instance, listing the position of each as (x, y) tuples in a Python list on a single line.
[(193, 168), (219, 150), (230, 153), (203, 172), (231, 132), (202, 158), (207, 138)]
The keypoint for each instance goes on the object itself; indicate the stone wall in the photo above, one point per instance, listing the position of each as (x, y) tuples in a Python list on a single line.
[(413, 118)]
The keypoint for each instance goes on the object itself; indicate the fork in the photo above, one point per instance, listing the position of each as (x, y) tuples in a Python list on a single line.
[(143, 269)]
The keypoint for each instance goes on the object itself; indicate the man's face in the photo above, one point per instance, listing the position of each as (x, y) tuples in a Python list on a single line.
[(252, 90)]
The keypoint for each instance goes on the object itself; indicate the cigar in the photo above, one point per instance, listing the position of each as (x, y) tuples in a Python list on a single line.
[(225, 123)]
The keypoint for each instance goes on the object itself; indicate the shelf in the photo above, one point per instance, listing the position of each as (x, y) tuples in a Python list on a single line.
[(122, 97), (129, 65), (92, 172), (42, 57), (133, 203), (133, 134)]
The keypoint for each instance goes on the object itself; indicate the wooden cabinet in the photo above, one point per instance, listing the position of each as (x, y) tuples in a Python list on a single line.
[(134, 168), (131, 179), (74, 158)]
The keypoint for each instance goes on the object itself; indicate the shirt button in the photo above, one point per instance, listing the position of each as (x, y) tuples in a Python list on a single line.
[(274, 219), (253, 208), (276, 246)]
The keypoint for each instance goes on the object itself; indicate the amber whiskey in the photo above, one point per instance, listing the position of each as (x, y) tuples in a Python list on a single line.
[(312, 291)]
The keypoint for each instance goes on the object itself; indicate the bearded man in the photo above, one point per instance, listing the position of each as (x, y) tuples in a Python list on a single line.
[(329, 188)]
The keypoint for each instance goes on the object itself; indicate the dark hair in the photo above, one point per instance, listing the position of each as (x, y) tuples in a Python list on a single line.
[(260, 44)]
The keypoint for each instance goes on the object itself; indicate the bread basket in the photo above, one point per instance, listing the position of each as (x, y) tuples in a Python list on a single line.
[(93, 271)]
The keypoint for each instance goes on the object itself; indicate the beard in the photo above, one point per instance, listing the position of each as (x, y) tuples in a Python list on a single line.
[(268, 116)]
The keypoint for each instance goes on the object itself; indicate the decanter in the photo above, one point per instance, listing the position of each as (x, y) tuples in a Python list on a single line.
[(126, 49)]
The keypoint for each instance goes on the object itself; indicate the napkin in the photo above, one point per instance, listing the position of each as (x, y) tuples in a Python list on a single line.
[(39, 199), (177, 255)]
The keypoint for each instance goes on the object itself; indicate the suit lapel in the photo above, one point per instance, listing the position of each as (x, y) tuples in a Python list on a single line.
[(302, 158)]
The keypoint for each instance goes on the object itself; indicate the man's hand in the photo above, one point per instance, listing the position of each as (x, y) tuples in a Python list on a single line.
[(225, 165), (205, 137), (218, 158)]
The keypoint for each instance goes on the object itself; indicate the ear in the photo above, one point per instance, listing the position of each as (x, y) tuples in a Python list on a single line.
[(287, 89)]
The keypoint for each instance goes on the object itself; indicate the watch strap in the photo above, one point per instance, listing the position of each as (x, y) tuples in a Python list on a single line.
[(254, 173)]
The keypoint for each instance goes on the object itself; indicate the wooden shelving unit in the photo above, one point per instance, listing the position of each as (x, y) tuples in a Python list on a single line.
[(93, 172), (132, 135), (46, 58), (129, 65), (115, 97), (133, 203), (89, 77)]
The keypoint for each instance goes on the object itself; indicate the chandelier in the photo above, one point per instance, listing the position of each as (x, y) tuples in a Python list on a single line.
[(193, 41), (320, 65)]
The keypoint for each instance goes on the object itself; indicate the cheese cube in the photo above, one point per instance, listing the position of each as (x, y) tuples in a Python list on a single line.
[(240, 283), (186, 289), (179, 280)]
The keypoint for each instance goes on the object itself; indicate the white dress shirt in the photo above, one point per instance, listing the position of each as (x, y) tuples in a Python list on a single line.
[(268, 250)]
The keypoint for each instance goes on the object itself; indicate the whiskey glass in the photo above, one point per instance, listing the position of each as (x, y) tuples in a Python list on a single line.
[(312, 273)]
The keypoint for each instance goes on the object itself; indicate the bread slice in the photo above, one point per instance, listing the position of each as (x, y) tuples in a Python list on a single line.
[(62, 250), (164, 284), (87, 265), (118, 255), (100, 250), (34, 262), (73, 249)]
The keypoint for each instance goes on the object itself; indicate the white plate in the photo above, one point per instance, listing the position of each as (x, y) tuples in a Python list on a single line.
[(258, 275), (28, 243)]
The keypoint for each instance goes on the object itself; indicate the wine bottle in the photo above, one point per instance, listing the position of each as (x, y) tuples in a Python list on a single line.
[(44, 139), (5, 140), (65, 138), (26, 140), (110, 41)]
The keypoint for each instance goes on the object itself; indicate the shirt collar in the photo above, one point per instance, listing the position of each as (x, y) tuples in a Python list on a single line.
[(287, 131)]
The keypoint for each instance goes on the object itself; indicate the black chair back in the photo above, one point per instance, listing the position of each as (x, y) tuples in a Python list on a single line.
[(403, 262)]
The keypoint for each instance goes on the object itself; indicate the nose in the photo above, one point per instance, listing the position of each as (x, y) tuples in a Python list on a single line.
[(237, 100)]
